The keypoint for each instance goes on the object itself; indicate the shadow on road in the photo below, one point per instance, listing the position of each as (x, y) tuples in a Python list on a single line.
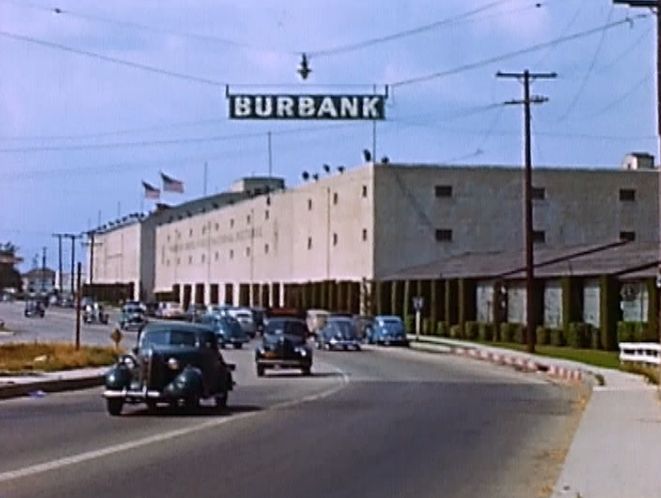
[(202, 411)]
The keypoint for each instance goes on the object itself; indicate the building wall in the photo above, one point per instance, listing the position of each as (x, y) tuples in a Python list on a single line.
[(484, 210), (117, 255)]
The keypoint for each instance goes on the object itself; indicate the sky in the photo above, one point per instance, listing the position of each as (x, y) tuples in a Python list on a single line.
[(101, 96)]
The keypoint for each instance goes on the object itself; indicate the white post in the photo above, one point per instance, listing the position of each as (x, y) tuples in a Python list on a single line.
[(417, 325)]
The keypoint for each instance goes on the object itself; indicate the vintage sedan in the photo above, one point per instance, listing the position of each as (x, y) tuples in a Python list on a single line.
[(132, 317), (34, 307), (284, 345), (94, 313), (338, 333), (227, 329), (387, 330), (176, 364)]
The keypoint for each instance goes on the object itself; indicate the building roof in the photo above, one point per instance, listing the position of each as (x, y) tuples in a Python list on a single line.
[(625, 260), (40, 273)]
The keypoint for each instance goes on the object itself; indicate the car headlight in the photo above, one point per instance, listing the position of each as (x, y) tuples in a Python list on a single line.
[(333, 340), (173, 364), (129, 362)]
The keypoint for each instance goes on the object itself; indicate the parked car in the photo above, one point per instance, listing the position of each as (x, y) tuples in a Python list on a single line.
[(150, 309), (94, 313), (132, 317), (284, 345), (363, 322), (387, 330), (66, 301), (194, 312), (218, 309), (315, 320), (258, 316), (227, 329), (34, 308), (169, 310), (338, 333), (245, 319), (173, 363)]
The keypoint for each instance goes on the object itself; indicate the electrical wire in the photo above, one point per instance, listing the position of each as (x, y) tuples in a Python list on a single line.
[(515, 53)]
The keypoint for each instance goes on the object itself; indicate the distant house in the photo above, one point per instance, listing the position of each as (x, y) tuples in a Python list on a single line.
[(39, 280)]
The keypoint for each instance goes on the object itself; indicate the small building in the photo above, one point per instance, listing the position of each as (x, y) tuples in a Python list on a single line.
[(40, 280)]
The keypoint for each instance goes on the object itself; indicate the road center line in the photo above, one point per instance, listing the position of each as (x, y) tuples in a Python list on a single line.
[(158, 438)]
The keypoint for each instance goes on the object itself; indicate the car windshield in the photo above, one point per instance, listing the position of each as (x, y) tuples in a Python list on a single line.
[(392, 325), (170, 337), (288, 327), (344, 328), (132, 309)]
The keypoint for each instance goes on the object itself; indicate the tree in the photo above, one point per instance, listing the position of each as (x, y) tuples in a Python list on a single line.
[(9, 275)]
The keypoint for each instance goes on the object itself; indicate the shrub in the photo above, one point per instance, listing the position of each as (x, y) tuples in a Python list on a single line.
[(486, 331), (595, 339), (543, 335), (455, 332), (409, 324), (442, 329), (472, 330), (511, 332), (632, 332), (579, 335), (558, 337)]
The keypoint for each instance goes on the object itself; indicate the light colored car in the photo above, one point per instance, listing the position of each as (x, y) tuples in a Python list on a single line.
[(245, 319), (316, 319), (170, 310)]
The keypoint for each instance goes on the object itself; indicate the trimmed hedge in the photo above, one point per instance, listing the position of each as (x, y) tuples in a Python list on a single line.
[(455, 332), (579, 335), (486, 331), (442, 329), (633, 332), (472, 330), (511, 332), (558, 337), (543, 335)]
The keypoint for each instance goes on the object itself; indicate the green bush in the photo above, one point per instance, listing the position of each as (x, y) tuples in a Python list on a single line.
[(632, 332), (579, 335), (486, 331), (595, 339), (442, 329), (543, 335), (558, 337), (409, 324), (455, 332), (472, 330), (511, 332)]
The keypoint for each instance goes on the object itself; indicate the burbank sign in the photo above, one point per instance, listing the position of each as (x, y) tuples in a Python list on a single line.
[(325, 107)]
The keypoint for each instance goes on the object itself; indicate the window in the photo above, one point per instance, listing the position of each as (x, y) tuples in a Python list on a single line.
[(538, 193), (539, 236), (178, 261), (364, 190), (309, 204), (217, 256), (231, 222), (335, 197), (628, 236), (309, 243), (203, 258), (248, 220), (334, 239), (204, 230), (364, 234), (443, 190), (231, 253), (190, 232), (247, 251), (443, 235), (266, 248), (627, 194), (217, 227), (190, 260), (267, 214), (268, 200)]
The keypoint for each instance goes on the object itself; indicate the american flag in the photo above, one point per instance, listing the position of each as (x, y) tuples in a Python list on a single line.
[(151, 192), (171, 185)]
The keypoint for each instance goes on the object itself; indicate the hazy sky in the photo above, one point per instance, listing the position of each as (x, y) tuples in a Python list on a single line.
[(78, 133)]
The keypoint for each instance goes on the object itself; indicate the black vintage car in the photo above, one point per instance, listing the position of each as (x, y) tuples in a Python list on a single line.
[(132, 317), (174, 363), (284, 345), (34, 307)]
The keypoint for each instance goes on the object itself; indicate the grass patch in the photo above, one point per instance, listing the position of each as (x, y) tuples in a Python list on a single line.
[(49, 357), (650, 373), (596, 357)]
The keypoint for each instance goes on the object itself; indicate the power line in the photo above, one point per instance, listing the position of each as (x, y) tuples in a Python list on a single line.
[(114, 60), (516, 53)]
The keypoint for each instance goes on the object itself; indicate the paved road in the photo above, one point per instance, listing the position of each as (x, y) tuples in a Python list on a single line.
[(57, 326), (379, 423)]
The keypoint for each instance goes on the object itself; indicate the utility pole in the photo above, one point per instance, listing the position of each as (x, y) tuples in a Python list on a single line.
[(43, 269), (59, 259), (91, 235), (73, 258), (78, 297), (526, 77)]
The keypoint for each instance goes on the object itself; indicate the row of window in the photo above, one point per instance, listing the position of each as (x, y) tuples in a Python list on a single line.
[(537, 193), (538, 236)]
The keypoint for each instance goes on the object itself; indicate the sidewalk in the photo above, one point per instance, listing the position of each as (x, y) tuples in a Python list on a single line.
[(616, 451), (38, 384)]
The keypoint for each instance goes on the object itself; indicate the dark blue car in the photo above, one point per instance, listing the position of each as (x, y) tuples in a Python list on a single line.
[(338, 333), (228, 330), (386, 330)]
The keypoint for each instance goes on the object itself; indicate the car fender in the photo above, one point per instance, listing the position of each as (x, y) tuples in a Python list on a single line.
[(118, 377), (190, 382)]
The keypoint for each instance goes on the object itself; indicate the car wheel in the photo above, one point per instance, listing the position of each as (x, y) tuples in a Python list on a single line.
[(238, 345), (151, 405), (358, 348), (260, 371), (221, 401), (114, 406), (306, 371)]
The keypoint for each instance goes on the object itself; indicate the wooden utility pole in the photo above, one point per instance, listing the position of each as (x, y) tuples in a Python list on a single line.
[(78, 298), (527, 77)]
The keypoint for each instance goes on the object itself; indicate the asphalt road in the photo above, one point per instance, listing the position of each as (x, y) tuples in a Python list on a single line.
[(57, 326), (378, 423)]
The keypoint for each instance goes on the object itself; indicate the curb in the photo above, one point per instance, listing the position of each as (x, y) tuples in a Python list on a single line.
[(50, 386), (532, 366)]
